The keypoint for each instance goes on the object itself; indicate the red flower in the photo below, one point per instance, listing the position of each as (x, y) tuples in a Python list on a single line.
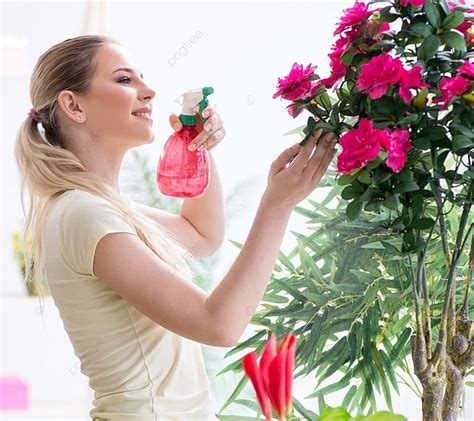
[(359, 146), (378, 74), (467, 69), (451, 87), (298, 84), (353, 16), (338, 71), (273, 377), (410, 79), (397, 144)]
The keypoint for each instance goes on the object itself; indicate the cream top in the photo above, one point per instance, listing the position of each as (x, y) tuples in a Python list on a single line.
[(137, 369)]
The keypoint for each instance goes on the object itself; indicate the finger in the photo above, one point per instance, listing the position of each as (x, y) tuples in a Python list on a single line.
[(280, 162), (302, 159), (211, 140), (330, 152), (175, 122), (208, 111), (212, 125), (327, 142)]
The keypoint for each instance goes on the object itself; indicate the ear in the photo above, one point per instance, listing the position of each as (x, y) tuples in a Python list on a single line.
[(175, 123), (69, 104)]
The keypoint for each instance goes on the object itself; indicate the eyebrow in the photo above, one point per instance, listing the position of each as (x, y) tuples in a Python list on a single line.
[(126, 69)]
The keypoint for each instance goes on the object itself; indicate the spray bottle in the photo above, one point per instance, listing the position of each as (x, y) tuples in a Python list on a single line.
[(184, 173)]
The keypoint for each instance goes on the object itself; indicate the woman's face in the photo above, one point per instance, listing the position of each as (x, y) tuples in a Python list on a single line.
[(114, 96)]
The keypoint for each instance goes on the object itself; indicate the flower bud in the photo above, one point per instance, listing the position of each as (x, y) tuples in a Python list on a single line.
[(421, 99)]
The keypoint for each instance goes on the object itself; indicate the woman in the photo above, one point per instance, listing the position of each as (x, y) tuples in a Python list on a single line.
[(132, 314)]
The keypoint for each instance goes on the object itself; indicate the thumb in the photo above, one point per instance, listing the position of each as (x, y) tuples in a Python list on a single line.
[(284, 157), (175, 123)]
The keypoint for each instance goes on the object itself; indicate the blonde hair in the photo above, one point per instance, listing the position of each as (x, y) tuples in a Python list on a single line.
[(49, 169)]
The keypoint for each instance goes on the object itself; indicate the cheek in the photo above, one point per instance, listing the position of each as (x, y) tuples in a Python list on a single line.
[(114, 103)]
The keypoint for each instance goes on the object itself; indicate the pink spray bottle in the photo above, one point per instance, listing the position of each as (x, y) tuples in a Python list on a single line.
[(184, 173)]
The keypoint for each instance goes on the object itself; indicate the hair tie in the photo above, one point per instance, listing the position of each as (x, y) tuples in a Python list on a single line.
[(34, 115)]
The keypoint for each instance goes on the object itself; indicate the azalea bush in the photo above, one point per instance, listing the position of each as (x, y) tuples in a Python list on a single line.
[(400, 96), (403, 75)]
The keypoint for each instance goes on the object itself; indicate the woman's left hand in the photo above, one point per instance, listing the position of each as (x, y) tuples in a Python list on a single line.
[(210, 135)]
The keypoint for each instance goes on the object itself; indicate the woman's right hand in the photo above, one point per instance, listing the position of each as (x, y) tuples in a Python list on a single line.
[(288, 185)]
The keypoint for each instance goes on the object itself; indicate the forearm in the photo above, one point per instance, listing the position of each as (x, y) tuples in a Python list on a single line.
[(206, 213), (235, 299)]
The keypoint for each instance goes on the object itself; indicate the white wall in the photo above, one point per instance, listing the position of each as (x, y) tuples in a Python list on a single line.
[(241, 51)]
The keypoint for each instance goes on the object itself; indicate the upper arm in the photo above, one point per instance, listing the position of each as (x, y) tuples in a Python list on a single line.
[(128, 266), (185, 232)]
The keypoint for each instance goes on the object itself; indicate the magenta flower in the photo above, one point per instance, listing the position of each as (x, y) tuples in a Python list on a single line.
[(414, 3), (338, 71), (451, 87), (353, 16), (359, 146), (378, 74), (397, 144), (410, 79), (298, 84), (467, 69)]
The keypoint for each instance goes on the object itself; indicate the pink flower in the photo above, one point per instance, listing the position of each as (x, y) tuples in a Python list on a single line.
[(397, 144), (298, 84), (353, 16), (467, 69), (378, 74), (414, 3), (359, 145), (451, 87), (338, 71), (410, 79)]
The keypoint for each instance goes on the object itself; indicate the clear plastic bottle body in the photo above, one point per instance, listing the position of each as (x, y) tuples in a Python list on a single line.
[(182, 173)]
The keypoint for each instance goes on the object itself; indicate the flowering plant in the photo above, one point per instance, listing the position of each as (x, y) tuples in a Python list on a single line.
[(272, 377), (403, 75)]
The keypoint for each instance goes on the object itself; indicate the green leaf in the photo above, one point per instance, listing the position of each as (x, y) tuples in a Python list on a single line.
[(392, 202), (432, 14), (455, 40), (384, 416), (429, 47), (470, 384), (421, 28), (335, 414), (310, 415), (406, 187), (462, 143), (400, 344), (348, 56), (423, 223), (353, 209), (452, 20)]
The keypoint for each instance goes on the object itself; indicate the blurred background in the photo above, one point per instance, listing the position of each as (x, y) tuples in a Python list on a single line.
[(239, 48)]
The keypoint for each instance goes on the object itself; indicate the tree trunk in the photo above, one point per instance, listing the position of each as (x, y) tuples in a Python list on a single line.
[(432, 400)]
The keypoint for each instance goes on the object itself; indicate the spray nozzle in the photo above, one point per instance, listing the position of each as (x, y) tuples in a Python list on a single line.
[(189, 101)]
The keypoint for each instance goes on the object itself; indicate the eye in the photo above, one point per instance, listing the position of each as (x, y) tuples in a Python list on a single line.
[(125, 79)]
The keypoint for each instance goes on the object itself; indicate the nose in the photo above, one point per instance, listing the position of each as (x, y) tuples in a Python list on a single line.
[(148, 93)]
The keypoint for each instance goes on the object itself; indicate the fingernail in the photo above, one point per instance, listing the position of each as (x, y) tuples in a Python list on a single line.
[(191, 146), (176, 126), (208, 127)]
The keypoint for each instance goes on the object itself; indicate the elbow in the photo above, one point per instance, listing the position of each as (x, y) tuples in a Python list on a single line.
[(227, 342)]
